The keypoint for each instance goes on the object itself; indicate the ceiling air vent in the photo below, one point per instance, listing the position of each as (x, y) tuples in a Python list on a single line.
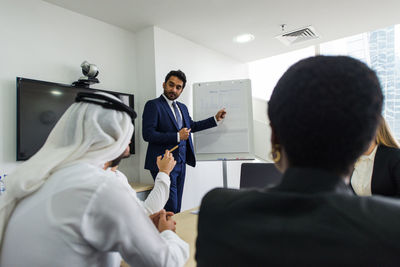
[(298, 36)]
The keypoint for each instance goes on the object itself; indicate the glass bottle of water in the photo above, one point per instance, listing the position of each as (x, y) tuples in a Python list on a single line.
[(2, 185)]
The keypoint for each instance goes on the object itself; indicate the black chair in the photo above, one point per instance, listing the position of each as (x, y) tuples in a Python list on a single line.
[(259, 175)]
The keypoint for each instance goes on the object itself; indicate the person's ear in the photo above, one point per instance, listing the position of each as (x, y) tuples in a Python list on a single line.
[(277, 152), (274, 138), (163, 85)]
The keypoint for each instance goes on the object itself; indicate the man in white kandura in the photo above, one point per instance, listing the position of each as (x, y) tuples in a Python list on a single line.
[(158, 196), (61, 208)]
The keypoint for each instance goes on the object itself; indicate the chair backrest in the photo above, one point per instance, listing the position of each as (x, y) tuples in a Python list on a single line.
[(259, 175)]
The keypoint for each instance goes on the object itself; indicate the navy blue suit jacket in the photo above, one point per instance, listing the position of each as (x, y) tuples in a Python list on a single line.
[(159, 129)]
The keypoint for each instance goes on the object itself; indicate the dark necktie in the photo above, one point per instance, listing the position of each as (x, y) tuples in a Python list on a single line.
[(177, 115)]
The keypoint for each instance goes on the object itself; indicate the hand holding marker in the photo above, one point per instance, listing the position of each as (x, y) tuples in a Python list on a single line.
[(172, 149)]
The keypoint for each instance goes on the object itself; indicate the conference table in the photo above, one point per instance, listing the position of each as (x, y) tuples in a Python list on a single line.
[(186, 228)]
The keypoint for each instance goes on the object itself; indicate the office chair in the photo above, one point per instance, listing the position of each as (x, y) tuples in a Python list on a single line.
[(259, 175)]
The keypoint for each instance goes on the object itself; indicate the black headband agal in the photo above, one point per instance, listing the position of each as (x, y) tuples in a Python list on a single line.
[(105, 102)]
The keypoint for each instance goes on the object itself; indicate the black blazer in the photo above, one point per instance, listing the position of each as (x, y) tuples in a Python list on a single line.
[(310, 219), (386, 172)]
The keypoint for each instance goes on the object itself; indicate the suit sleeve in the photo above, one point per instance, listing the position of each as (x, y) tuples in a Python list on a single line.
[(197, 126), (150, 121)]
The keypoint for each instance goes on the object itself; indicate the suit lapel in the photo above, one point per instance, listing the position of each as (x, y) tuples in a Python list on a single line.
[(168, 110), (350, 185), (378, 174), (186, 122), (184, 115)]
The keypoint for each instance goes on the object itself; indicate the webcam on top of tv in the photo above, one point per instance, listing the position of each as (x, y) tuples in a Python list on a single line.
[(90, 71)]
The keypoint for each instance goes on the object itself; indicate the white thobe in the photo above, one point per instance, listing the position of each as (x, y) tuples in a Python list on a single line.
[(79, 217), (158, 196)]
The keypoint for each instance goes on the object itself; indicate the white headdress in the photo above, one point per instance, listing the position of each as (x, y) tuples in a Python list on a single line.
[(85, 133)]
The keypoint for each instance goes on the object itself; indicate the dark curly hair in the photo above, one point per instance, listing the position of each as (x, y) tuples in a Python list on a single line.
[(324, 111), (177, 73)]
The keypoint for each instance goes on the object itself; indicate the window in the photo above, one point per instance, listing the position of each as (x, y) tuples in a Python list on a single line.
[(380, 50)]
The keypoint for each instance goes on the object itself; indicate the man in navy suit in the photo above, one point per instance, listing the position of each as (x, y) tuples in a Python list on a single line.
[(167, 123)]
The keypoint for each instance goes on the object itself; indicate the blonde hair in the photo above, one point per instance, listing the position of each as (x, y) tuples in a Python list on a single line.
[(384, 136)]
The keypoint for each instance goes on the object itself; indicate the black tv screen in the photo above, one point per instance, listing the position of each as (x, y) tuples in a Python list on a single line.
[(40, 105)]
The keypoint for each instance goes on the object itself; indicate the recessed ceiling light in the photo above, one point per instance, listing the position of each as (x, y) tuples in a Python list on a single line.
[(56, 92), (244, 38)]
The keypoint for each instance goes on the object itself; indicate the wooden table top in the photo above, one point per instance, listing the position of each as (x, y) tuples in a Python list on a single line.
[(186, 228), (138, 187)]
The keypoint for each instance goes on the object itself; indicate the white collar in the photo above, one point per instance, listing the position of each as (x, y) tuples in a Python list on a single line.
[(169, 101), (370, 156)]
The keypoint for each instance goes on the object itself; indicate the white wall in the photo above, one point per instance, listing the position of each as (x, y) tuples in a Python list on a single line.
[(145, 63), (45, 42), (262, 130), (200, 65)]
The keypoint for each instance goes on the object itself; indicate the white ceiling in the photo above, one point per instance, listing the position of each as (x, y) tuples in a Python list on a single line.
[(214, 23)]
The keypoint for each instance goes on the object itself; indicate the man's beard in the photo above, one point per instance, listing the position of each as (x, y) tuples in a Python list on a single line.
[(170, 95), (116, 161)]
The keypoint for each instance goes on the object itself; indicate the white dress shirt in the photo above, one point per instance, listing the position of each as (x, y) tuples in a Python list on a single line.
[(362, 174), (82, 216)]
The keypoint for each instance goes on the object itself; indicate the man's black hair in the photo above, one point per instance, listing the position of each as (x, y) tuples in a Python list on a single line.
[(177, 73), (324, 111)]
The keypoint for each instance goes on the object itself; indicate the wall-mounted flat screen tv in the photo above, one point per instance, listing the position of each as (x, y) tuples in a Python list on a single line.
[(40, 104)]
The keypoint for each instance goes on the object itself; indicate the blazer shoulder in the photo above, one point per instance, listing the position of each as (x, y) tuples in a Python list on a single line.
[(217, 193), (381, 207), (155, 100), (214, 203), (223, 198), (384, 148), (385, 151)]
